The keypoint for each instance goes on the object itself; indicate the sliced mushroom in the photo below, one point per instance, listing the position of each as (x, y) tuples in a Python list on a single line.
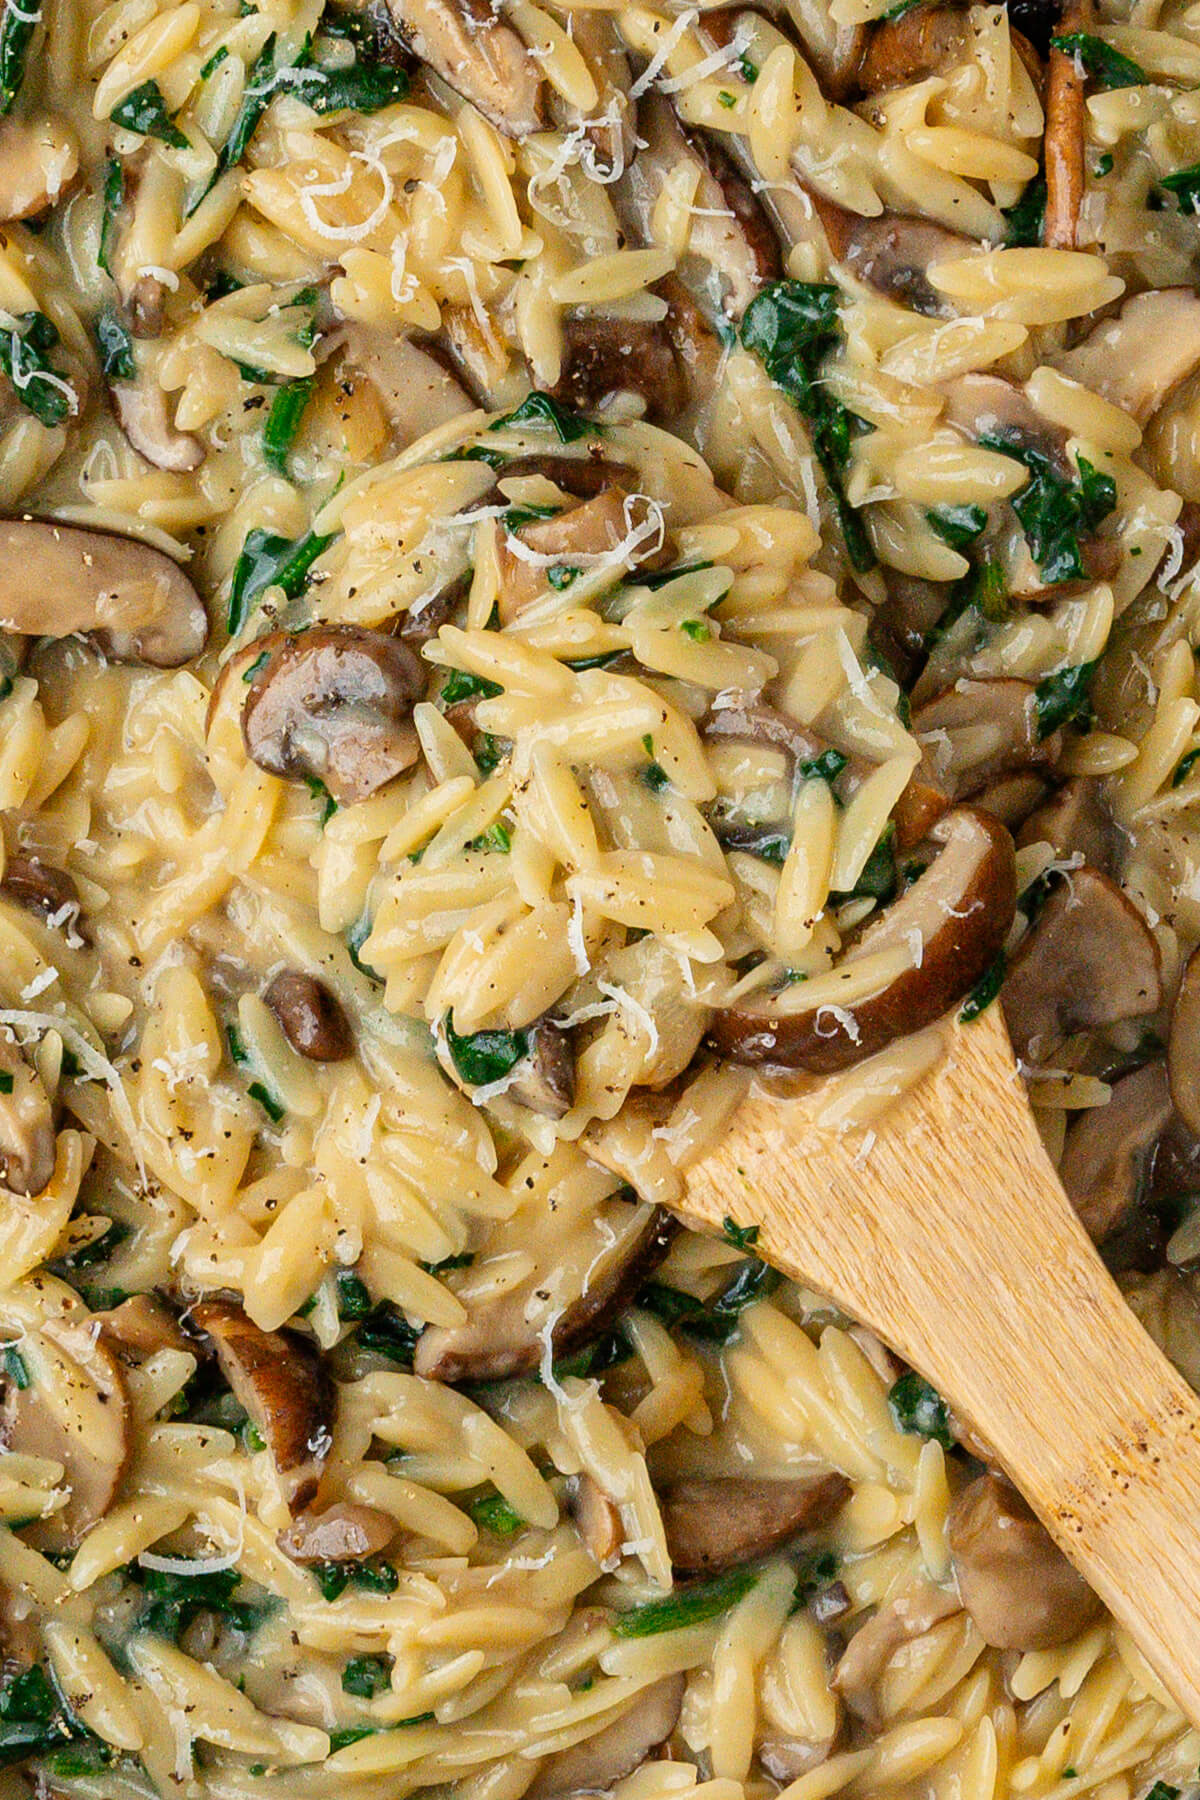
[(625, 526), (989, 406), (731, 250), (38, 160), (596, 1276), (583, 477), (42, 889), (764, 726), (893, 253), (545, 1079), (610, 125), (924, 41), (717, 1523), (595, 1765), (604, 357), (1017, 1585), (333, 704), (73, 1410), (343, 1532), (1136, 359), (971, 735), (144, 416), (910, 1615), (1075, 821), (146, 303), (467, 43), (1108, 1150), (1064, 139), (418, 391), (27, 1137), (1183, 1049), (1089, 960), (953, 919), (598, 1520), (134, 602), (280, 1379), (144, 1325), (699, 357), (1011, 798), (310, 1016)]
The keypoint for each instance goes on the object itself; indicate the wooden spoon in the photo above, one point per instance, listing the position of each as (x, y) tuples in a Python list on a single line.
[(948, 1234)]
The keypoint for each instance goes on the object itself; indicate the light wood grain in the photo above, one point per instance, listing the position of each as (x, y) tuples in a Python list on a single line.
[(951, 1237)]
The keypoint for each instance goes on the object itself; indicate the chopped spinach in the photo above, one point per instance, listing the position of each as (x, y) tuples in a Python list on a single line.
[(6, 1081), (35, 1720), (145, 111), (984, 991), (113, 201), (482, 1057), (363, 87), (1185, 185), (1054, 510), (99, 1250), (1184, 767), (172, 1600), (742, 1237), (918, 1408), (374, 1577), (1027, 218), (957, 526), (268, 560), (259, 91), (817, 1570), (658, 578), (694, 1603), (25, 347), (388, 1333), (826, 767), (16, 30), (1100, 60), (15, 1367), (366, 1676), (283, 421), (274, 1109), (1162, 1790), (592, 1359), (116, 348), (492, 1512), (792, 326), (1063, 698), (714, 1321), (353, 1298), (459, 686), (540, 409)]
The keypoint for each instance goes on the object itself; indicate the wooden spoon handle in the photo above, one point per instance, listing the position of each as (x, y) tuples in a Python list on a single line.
[(951, 1237)]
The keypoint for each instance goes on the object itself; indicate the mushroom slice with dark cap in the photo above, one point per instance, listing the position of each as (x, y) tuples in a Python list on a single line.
[(714, 1524), (731, 250), (1063, 139), (1183, 1047), (989, 406), (416, 388), (72, 1409), (603, 357), (583, 477), (586, 1272), (597, 1519), (141, 1326), (952, 921), (544, 1080), (1109, 1149), (1075, 821), (50, 893), (333, 704), (626, 527), (1136, 359), (1017, 1585), (893, 253), (971, 735), (920, 42), (280, 1379), (144, 416), (310, 1016), (1089, 960), (910, 1615), (595, 1765), (467, 43), (132, 600), (27, 1137), (343, 1532)]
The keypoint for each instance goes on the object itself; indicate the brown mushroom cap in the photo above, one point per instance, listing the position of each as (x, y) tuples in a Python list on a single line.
[(75, 1411), (1017, 1585), (604, 356), (343, 1532), (958, 912), (333, 704), (281, 1380), (597, 1519), (544, 1080), (28, 1146), (1108, 1148), (417, 390), (1088, 960), (133, 601), (714, 1524), (145, 418), (1064, 138), (910, 1615), (1183, 1047), (498, 1340), (1136, 359), (1075, 821), (893, 253), (597, 1763), (42, 889), (596, 527), (143, 1325), (310, 1016), (977, 731), (918, 43), (480, 57)]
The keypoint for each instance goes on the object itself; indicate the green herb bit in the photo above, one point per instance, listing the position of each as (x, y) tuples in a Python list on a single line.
[(984, 991), (366, 1676), (540, 410), (283, 421), (24, 357), (173, 1600), (1185, 185), (491, 1512), (319, 791), (817, 1570), (145, 111), (253, 1438), (268, 560), (742, 1237), (219, 55), (717, 1321), (1054, 510), (1183, 769), (561, 576), (274, 1109), (497, 837), (699, 630), (349, 1734), (353, 1298), (15, 1367), (363, 87), (460, 686), (388, 1333), (692, 1604), (1027, 219), (661, 578), (792, 326), (725, 98), (16, 32), (1100, 60), (1162, 1790), (461, 1260), (1104, 166), (919, 1409), (113, 201), (237, 1049), (957, 526), (482, 1057), (655, 777), (826, 767), (6, 1081), (1064, 698), (116, 348)]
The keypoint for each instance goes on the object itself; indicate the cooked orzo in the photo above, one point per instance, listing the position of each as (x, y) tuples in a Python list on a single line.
[(556, 558)]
